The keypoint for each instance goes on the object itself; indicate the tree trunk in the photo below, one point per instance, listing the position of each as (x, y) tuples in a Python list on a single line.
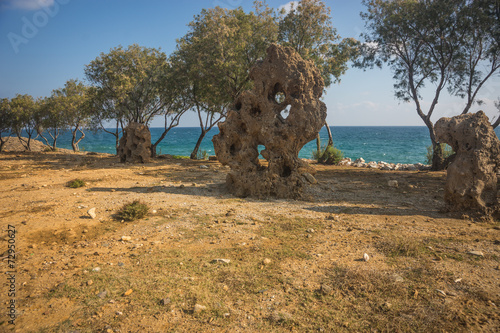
[(194, 154), (330, 137), (73, 140), (318, 144)]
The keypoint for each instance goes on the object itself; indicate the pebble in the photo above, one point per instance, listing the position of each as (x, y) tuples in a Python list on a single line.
[(476, 253), (366, 257), (310, 230), (92, 213), (198, 308), (119, 313), (393, 183), (310, 178), (203, 167), (90, 282), (326, 290), (121, 264), (126, 238), (96, 269), (102, 294), (441, 293), (266, 261), (224, 261), (165, 301), (128, 292)]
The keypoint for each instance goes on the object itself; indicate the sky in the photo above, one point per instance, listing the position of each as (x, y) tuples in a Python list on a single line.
[(44, 43)]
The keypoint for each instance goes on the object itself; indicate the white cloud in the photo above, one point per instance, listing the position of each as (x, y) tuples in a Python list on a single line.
[(288, 6), (27, 4)]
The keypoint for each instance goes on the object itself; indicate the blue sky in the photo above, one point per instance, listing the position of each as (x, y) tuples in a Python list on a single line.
[(44, 43)]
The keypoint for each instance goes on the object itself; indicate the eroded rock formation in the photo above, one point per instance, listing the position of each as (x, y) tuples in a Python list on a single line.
[(135, 144), (282, 113), (471, 183)]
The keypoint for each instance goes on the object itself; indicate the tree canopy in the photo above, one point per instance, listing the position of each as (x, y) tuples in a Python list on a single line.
[(439, 43)]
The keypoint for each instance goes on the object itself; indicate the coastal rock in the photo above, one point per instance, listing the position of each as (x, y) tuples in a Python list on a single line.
[(135, 144), (471, 183), (282, 113)]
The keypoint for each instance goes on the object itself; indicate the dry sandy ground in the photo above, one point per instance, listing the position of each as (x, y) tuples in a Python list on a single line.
[(295, 265)]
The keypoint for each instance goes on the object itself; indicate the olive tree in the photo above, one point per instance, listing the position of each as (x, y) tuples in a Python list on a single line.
[(24, 118), (444, 44), (6, 120)]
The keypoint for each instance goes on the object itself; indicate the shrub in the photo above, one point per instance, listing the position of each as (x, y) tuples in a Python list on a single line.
[(76, 183), (202, 155), (328, 155), (132, 211), (447, 152)]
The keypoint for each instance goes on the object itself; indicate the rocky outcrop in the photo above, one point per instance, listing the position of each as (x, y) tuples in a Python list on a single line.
[(471, 183), (135, 144), (282, 113)]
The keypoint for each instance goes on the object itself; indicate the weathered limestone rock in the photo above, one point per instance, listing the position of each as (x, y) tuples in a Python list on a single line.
[(472, 176), (282, 113), (135, 144)]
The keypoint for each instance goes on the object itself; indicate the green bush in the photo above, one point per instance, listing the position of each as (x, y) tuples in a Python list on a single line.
[(447, 152), (328, 155), (76, 183), (132, 211), (202, 155)]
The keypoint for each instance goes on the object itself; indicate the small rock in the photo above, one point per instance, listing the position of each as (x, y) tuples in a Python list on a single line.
[(154, 211), (325, 289), (90, 282), (102, 294), (366, 257), (121, 264), (126, 238), (119, 313), (92, 213), (96, 269), (165, 301), (266, 261), (181, 186), (224, 261), (476, 253), (458, 280), (85, 231), (128, 292), (203, 167), (441, 293), (310, 178), (393, 183), (310, 230), (199, 308)]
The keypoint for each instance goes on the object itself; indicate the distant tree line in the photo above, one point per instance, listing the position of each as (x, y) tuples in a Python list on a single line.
[(441, 43)]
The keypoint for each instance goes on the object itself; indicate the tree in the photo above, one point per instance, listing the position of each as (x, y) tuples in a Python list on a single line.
[(131, 85), (217, 54), (308, 29), (24, 109), (6, 120), (50, 119), (71, 104), (447, 44)]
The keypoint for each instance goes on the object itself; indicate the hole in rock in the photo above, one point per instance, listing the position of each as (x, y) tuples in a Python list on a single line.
[(235, 148), (286, 111), (287, 171), (238, 106)]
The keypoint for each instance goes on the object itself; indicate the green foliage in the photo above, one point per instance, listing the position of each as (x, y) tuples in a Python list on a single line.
[(442, 44), (25, 110), (447, 152), (202, 155), (308, 29), (6, 119), (76, 183), (328, 155), (132, 211)]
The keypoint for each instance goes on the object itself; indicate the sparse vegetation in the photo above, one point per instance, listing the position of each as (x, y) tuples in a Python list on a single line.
[(76, 183), (328, 155), (202, 155), (447, 152), (132, 211)]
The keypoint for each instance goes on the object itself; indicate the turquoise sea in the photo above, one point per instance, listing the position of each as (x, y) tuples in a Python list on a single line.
[(399, 144)]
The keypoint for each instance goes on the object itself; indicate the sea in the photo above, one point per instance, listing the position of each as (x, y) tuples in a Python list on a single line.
[(391, 144)]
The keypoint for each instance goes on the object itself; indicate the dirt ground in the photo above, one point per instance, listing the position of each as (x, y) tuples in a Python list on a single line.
[(205, 261)]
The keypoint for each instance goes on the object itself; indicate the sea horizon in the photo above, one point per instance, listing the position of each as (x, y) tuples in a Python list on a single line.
[(391, 144)]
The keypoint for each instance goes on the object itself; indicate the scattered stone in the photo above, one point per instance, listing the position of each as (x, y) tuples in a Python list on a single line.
[(165, 301), (92, 213), (476, 253), (154, 211), (393, 183), (398, 278), (204, 167), (224, 261), (102, 294), (458, 280), (326, 290), (199, 308), (310, 230), (85, 231), (284, 106), (96, 269), (266, 261), (90, 282), (310, 178), (119, 313), (366, 257), (126, 238), (441, 293), (128, 292), (120, 264)]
